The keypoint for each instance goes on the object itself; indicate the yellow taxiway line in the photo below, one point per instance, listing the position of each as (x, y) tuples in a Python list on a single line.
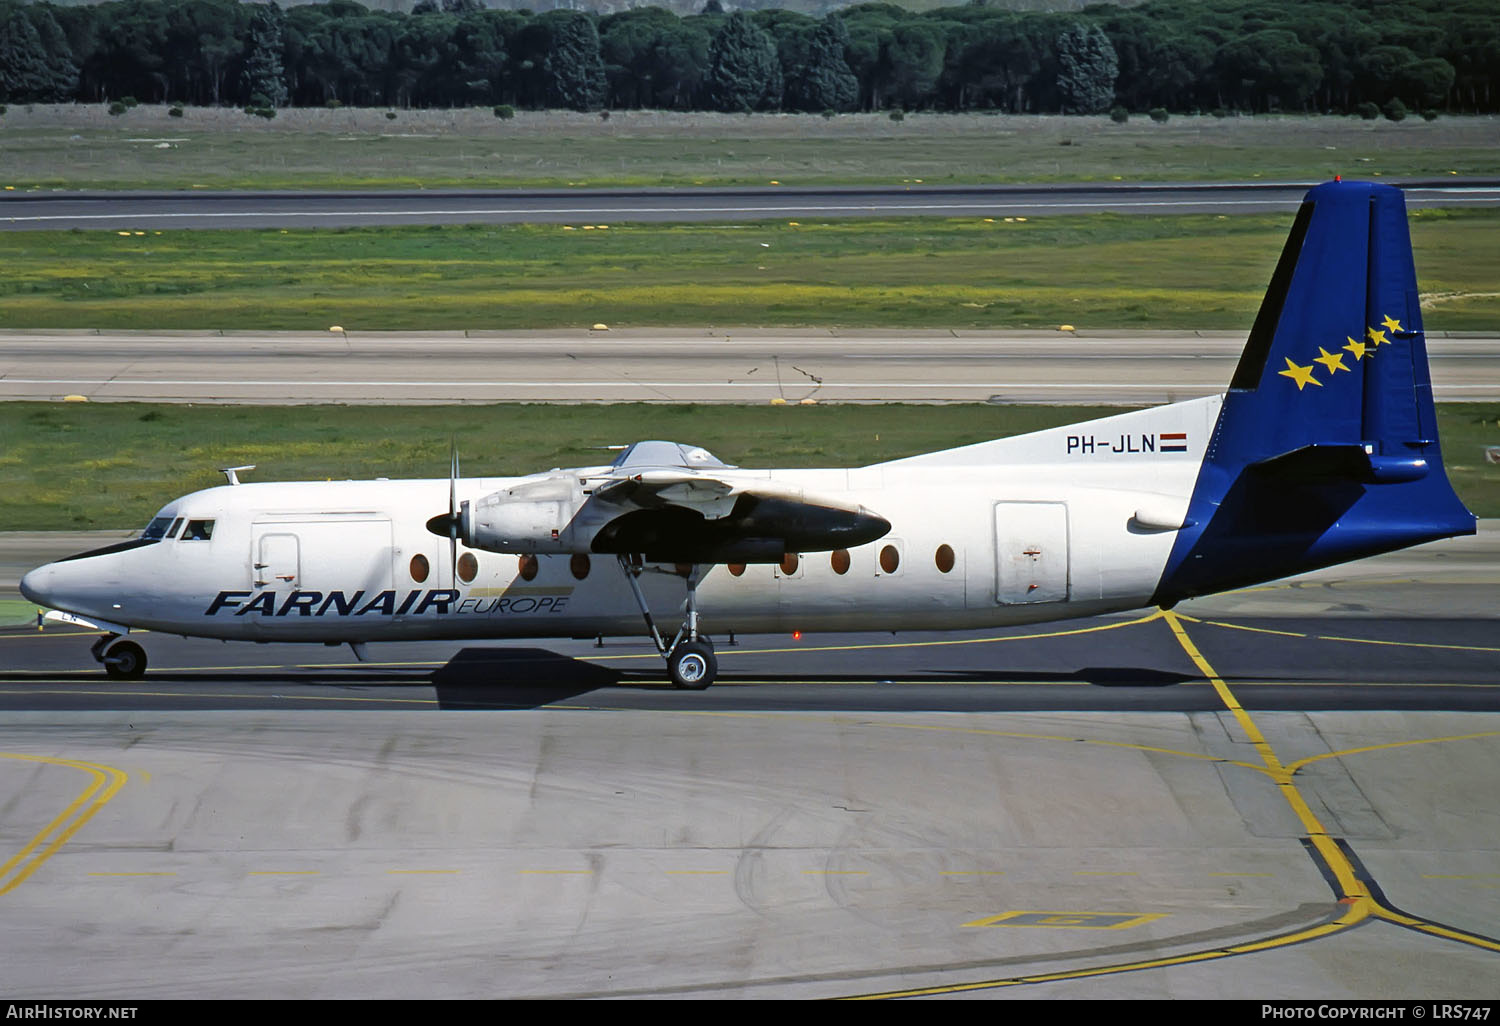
[(106, 783), (1356, 902)]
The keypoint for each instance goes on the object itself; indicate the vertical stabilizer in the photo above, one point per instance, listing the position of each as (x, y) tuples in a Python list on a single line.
[(1326, 446)]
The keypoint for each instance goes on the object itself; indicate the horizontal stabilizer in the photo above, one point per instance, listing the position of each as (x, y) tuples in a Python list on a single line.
[(1359, 463)]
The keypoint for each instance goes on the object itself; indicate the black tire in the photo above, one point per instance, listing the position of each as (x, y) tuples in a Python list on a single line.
[(125, 660), (692, 665)]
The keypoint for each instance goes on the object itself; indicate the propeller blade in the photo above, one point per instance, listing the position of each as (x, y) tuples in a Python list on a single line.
[(452, 514)]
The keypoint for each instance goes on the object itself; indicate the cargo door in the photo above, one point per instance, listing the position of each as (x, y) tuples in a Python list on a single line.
[(1031, 552)]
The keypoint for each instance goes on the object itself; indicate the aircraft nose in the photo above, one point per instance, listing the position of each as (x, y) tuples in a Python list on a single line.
[(37, 585)]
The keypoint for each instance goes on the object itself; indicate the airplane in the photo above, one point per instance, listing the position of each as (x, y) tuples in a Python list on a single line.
[(1324, 449)]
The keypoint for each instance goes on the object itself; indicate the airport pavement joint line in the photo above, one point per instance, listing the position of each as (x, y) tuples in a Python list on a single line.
[(107, 782)]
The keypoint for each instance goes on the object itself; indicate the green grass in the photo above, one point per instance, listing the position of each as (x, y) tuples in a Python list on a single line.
[(15, 613), (1100, 271), (81, 147), (111, 465)]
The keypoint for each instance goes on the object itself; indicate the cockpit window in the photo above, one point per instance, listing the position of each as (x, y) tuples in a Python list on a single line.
[(172, 531), (157, 529), (198, 530)]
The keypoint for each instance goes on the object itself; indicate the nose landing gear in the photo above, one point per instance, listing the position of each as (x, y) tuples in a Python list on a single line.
[(123, 660)]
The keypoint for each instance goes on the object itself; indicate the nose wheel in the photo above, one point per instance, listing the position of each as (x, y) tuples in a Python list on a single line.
[(689, 655), (123, 660)]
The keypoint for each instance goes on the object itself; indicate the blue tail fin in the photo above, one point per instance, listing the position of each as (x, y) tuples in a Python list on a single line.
[(1326, 447)]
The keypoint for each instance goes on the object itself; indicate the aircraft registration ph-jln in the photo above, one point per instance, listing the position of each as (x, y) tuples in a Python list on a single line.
[(1324, 449)]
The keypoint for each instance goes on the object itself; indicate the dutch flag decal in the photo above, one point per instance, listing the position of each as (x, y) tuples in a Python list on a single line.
[(1174, 442)]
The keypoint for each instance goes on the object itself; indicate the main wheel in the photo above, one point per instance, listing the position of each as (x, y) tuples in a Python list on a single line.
[(125, 660), (692, 665)]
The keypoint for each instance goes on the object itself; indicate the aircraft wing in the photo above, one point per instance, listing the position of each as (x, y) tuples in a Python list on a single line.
[(711, 496), (686, 516)]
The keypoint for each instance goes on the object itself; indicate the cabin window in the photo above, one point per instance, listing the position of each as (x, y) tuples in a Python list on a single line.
[(528, 567), (420, 568), (157, 529), (198, 530), (789, 564), (579, 564), (736, 569), (944, 559), (468, 567), (840, 561), (890, 559)]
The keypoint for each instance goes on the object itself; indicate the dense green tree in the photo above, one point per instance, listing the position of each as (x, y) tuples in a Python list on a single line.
[(912, 60), (1087, 67), (36, 62), (306, 40), (791, 35), (679, 62), (572, 68), (870, 29), (362, 47), (823, 80), (1332, 55), (743, 71), (1160, 64), (205, 49), (1269, 70), (28, 71), (425, 61), (480, 56), (627, 44), (264, 74), (1000, 65)]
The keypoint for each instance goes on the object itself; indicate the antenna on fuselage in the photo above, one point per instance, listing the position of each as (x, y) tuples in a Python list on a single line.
[(233, 473)]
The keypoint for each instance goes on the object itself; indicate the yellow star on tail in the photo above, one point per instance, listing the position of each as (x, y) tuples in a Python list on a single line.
[(1303, 376), (1357, 348), (1377, 337), (1391, 323), (1333, 361)]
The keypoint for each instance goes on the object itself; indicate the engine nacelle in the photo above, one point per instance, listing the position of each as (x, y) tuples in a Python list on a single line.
[(537, 516)]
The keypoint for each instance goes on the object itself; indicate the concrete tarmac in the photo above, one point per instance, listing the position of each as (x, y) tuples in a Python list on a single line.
[(659, 366)]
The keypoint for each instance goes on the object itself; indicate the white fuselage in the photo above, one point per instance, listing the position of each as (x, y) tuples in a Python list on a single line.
[(1068, 522)]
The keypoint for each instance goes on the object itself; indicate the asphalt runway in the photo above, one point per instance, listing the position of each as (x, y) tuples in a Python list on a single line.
[(740, 366), (177, 210), (1281, 793)]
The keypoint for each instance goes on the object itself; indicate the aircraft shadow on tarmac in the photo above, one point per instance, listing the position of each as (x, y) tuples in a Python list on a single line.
[(498, 677), (529, 677)]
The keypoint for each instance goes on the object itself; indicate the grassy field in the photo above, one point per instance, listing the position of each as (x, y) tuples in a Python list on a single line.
[(82, 147), (111, 465), (1103, 270)]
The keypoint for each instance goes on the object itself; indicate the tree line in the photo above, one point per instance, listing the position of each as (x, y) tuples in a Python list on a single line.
[(1334, 56)]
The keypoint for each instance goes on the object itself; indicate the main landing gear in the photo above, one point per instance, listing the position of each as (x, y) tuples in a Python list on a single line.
[(689, 655), (123, 660)]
